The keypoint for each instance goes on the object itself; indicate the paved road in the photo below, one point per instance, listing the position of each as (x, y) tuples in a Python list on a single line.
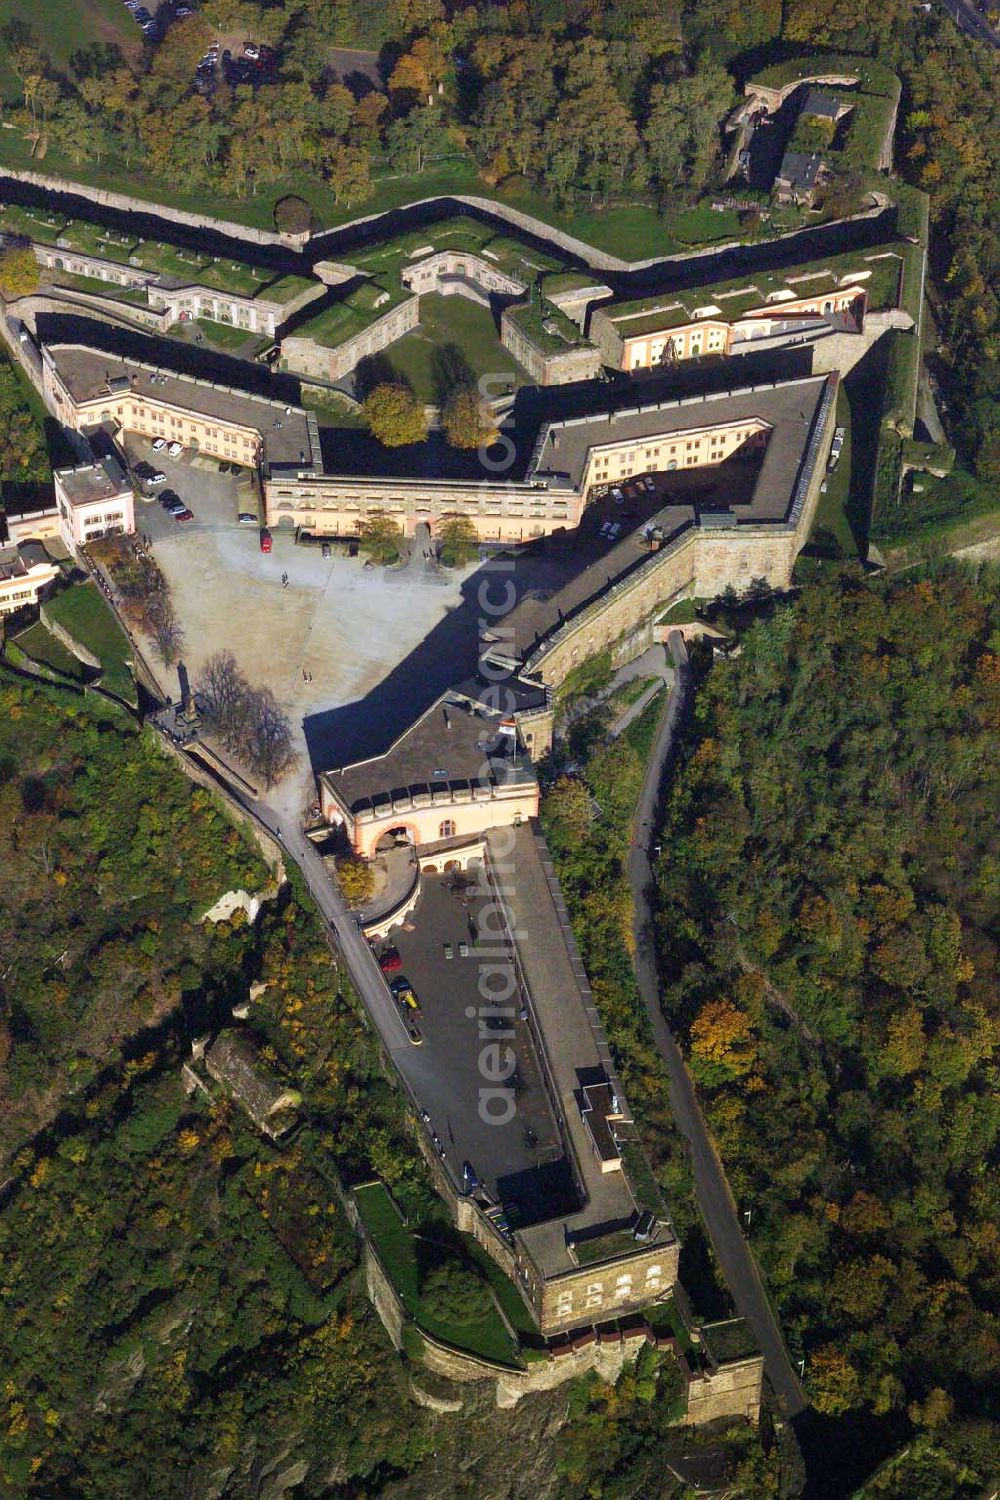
[(714, 1197), (968, 19)]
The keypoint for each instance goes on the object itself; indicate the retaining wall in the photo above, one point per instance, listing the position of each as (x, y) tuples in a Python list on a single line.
[(127, 204), (75, 647)]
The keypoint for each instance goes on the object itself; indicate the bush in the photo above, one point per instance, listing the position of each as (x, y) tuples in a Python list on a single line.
[(449, 1293), (293, 215)]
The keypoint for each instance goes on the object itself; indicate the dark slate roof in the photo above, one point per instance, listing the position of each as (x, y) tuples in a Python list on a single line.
[(818, 103), (800, 168), (232, 1059)]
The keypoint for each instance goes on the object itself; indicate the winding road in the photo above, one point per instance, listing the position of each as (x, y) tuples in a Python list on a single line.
[(968, 19), (715, 1200)]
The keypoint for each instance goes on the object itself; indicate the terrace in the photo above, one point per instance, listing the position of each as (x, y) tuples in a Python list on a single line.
[(545, 326), (31, 223), (343, 320), (91, 239), (188, 267), (509, 255), (877, 270)]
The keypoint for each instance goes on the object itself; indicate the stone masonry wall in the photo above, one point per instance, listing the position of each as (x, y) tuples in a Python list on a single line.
[(129, 204), (384, 1298), (733, 1390), (700, 564), (609, 1289), (559, 368)]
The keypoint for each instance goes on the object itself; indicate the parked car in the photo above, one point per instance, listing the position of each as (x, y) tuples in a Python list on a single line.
[(390, 961), (175, 450), (168, 498), (248, 518), (649, 485), (265, 539), (326, 549), (449, 951), (414, 1034), (183, 514), (617, 495), (404, 994), (159, 444), (463, 950)]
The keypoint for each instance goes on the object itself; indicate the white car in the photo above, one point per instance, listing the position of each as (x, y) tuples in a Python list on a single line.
[(175, 450), (159, 444)]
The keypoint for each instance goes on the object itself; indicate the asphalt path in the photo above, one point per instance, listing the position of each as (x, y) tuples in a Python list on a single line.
[(714, 1196), (968, 19)]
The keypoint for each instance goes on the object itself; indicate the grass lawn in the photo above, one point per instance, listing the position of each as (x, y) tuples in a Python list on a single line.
[(703, 226), (451, 324), (43, 647), (400, 1249), (63, 27), (329, 411), (82, 611), (225, 336), (832, 523)]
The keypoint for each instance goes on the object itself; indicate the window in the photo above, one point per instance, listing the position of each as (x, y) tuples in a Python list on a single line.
[(447, 829)]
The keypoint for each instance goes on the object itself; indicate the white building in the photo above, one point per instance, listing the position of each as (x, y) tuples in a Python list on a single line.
[(25, 573), (94, 500)]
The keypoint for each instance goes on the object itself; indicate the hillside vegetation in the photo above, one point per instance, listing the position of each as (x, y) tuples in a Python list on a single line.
[(108, 858), (830, 888)]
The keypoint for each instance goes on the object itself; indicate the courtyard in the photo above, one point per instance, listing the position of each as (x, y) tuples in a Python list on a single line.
[(322, 642)]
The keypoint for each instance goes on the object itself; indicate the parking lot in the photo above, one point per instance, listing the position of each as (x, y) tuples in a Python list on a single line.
[(520, 1161), (214, 499)]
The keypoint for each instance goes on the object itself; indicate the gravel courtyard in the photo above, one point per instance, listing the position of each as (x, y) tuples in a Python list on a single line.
[(324, 642)]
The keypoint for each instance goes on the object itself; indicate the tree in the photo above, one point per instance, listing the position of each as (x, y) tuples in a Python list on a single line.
[(18, 272), (357, 880), (834, 1381), (452, 1292), (380, 537), (467, 420), (270, 749), (221, 689), (722, 1042), (349, 175), (392, 414), (23, 453), (411, 140), (458, 541)]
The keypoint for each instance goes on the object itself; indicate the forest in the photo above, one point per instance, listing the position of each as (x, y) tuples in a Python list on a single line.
[(175, 1290), (830, 933)]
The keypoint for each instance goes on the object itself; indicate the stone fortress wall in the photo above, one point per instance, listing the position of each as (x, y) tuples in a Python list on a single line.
[(545, 366), (306, 356), (730, 1390), (455, 272)]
